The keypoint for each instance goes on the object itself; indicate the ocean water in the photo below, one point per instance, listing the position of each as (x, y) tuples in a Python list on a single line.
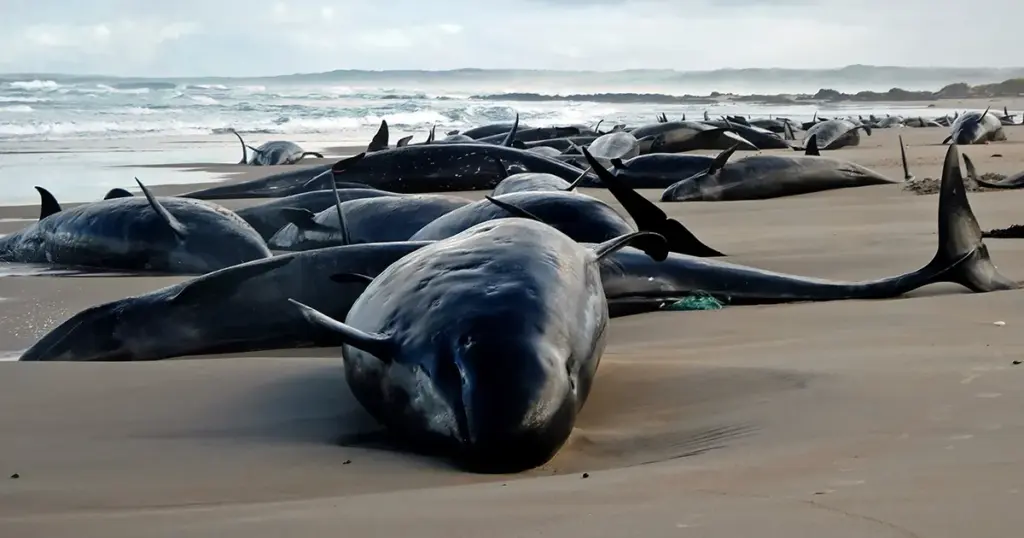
[(82, 136)]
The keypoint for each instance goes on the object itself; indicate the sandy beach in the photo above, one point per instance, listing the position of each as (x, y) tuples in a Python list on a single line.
[(889, 418)]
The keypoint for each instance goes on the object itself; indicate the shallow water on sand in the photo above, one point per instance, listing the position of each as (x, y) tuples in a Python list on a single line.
[(84, 175)]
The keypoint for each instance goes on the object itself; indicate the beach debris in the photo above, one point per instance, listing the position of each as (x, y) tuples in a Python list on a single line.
[(346, 462), (931, 185), (998, 323), (1016, 363), (15, 476), (1010, 232), (696, 301), (585, 475)]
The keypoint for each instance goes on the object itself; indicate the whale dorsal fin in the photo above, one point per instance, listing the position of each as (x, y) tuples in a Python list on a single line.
[(245, 155), (174, 224), (219, 282), (379, 140), (117, 192), (511, 136), (576, 182), (433, 133), (617, 163), (722, 158), (376, 344), (811, 146), (47, 203), (655, 245), (517, 211), (402, 142)]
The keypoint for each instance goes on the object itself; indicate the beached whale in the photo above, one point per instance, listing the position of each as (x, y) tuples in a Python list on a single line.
[(482, 347), (165, 235), (445, 167), (271, 216), (759, 177), (835, 134), (976, 128), (279, 185), (962, 258), (683, 136), (364, 220), (275, 152)]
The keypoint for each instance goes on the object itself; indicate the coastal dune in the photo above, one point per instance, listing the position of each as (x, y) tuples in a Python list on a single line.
[(891, 418)]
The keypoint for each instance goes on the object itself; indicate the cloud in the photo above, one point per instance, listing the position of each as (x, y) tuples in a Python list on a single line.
[(258, 37)]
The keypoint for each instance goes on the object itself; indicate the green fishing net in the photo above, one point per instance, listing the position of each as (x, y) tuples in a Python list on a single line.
[(696, 301)]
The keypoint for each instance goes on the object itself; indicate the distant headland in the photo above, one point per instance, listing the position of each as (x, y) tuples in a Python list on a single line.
[(961, 90), (858, 83)]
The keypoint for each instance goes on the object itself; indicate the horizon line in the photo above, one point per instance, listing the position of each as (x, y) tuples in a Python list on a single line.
[(537, 70)]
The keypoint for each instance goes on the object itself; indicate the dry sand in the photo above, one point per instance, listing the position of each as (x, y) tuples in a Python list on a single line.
[(892, 418)]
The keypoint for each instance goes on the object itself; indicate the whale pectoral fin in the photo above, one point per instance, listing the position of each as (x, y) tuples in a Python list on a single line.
[(221, 283), (351, 278), (47, 203), (653, 244), (517, 211), (402, 142), (376, 344), (511, 136), (341, 214), (318, 176), (316, 154), (303, 219), (343, 164), (174, 224), (380, 140), (972, 172), (947, 140), (576, 182), (907, 176), (117, 192), (811, 146)]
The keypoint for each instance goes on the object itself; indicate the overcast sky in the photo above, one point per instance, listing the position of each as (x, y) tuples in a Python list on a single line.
[(264, 37)]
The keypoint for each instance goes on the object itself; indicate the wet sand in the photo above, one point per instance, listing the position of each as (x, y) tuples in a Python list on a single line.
[(892, 418)]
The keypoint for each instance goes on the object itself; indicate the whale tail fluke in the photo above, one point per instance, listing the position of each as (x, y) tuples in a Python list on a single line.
[(647, 215), (961, 249)]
